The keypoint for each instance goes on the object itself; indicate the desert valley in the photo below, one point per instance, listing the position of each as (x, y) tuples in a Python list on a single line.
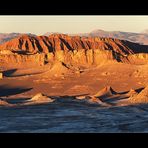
[(73, 83)]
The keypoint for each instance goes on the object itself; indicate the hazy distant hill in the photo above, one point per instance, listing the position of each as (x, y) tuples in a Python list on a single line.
[(141, 38), (7, 36), (4, 37)]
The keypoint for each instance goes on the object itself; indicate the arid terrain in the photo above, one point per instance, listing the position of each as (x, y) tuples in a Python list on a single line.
[(61, 83)]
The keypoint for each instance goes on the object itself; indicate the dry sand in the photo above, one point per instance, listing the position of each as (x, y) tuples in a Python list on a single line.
[(113, 82)]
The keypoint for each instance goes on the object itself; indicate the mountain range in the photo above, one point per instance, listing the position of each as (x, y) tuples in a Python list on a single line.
[(73, 50), (141, 38), (4, 37), (63, 42)]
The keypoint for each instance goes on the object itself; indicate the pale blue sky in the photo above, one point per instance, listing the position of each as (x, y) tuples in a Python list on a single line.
[(71, 23)]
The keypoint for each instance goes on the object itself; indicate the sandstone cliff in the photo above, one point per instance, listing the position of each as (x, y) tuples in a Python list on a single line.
[(71, 50), (141, 58), (26, 60)]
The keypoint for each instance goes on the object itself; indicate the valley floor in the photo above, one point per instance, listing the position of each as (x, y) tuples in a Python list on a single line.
[(68, 114)]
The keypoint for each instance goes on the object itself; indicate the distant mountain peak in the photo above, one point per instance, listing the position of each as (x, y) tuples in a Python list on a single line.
[(97, 30)]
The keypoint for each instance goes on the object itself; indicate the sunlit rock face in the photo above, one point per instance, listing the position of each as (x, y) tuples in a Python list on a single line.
[(142, 97), (1, 75), (74, 50)]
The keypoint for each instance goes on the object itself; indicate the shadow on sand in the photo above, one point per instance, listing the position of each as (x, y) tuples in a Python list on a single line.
[(137, 90), (9, 73), (7, 91)]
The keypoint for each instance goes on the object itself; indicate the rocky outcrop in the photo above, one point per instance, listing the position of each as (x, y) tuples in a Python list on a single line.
[(57, 69), (73, 50), (142, 97), (107, 91), (141, 58), (92, 100), (131, 93), (95, 100), (39, 99), (18, 59), (6, 52), (58, 42)]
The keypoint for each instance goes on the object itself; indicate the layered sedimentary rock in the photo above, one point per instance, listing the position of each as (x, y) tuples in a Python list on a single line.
[(141, 58), (57, 42), (71, 50), (18, 59)]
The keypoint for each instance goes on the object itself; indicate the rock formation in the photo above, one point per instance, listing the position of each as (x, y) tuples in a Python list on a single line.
[(18, 59), (142, 97), (96, 100), (131, 93), (72, 50), (39, 99), (58, 69), (141, 58), (58, 42), (107, 91), (92, 100)]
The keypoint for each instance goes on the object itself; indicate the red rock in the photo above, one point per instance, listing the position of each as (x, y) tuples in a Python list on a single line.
[(83, 51), (56, 42)]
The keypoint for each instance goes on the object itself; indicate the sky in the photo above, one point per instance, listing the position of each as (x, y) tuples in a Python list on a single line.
[(71, 23)]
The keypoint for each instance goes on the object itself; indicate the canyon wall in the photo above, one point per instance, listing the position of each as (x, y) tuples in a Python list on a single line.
[(20, 60), (141, 58), (73, 50)]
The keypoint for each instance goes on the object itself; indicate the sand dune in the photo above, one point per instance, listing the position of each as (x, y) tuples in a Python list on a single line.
[(142, 97), (4, 103), (132, 93), (59, 68), (95, 100), (107, 91), (79, 89), (92, 100), (39, 99)]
